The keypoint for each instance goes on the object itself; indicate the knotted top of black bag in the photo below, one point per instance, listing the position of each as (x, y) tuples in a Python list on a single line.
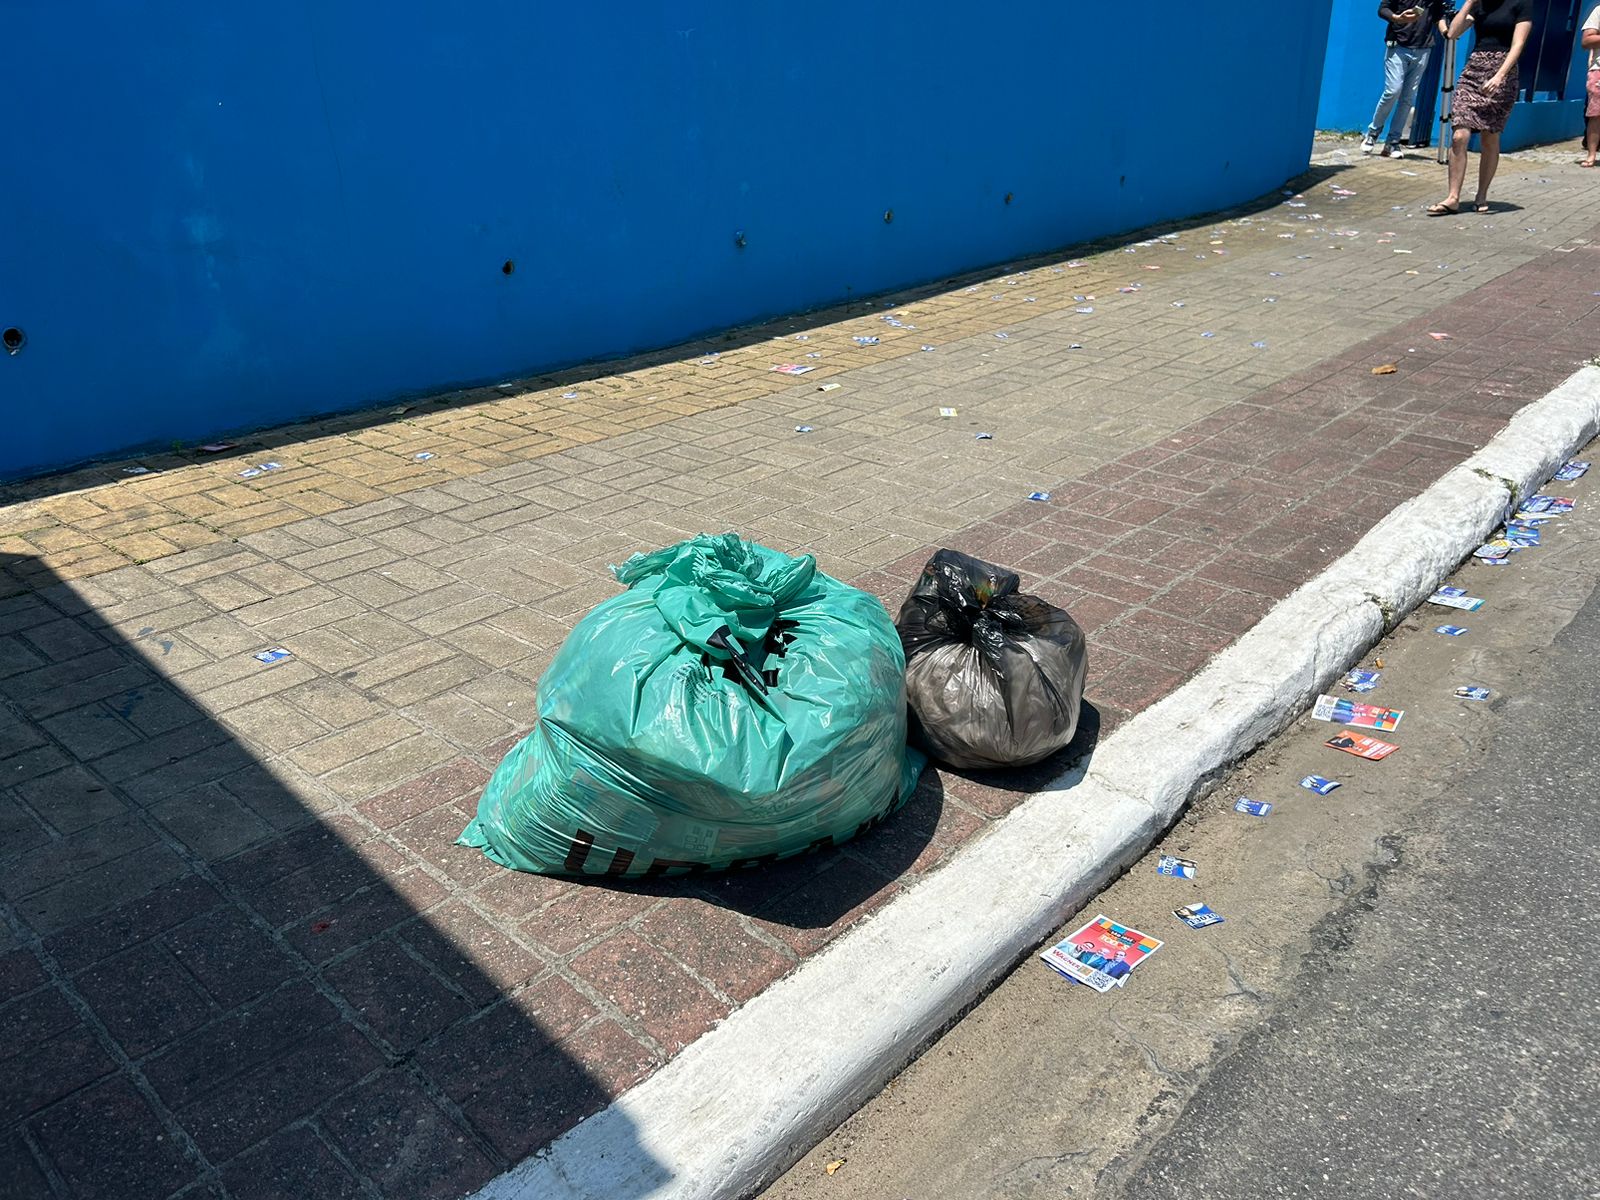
[(964, 599)]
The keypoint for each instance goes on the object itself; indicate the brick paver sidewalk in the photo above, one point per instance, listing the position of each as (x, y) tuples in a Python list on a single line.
[(241, 955)]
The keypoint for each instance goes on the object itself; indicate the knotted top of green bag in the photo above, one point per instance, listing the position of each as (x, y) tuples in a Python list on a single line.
[(710, 583)]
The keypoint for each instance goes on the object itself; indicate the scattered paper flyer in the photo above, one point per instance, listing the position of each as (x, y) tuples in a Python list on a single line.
[(1318, 784), (1454, 597), (1472, 693), (1572, 470), (1362, 681), (1450, 630), (1494, 551), (1197, 916), (1546, 506), (1254, 808), (802, 428), (1353, 712), (1039, 496), (276, 654), (1100, 953), (948, 412), (1177, 868), (792, 369), (1361, 747)]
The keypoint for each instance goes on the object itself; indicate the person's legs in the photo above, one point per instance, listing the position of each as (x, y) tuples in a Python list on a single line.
[(1458, 172), (1414, 63), (1394, 72), (1591, 129), (1488, 160)]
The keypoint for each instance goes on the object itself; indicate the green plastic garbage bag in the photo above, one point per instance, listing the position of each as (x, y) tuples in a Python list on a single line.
[(733, 706)]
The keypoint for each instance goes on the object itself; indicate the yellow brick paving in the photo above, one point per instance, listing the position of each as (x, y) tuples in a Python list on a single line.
[(100, 518)]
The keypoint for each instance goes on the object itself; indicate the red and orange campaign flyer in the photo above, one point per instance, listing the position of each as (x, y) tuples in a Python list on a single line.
[(1353, 712), (1361, 746), (1100, 953)]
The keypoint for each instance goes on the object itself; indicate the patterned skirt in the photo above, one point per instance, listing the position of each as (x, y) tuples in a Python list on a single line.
[(1476, 105)]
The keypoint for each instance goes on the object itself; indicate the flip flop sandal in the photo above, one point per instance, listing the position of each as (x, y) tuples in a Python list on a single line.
[(1441, 210)]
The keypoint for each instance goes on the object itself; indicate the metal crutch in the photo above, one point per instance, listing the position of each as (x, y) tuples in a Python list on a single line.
[(1447, 85)]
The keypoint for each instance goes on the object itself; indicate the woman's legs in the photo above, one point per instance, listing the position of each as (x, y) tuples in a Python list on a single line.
[(1458, 165), (1488, 161)]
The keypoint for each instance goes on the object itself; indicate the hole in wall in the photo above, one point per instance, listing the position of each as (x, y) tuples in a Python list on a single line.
[(507, 267), (1009, 197), (888, 216), (13, 339)]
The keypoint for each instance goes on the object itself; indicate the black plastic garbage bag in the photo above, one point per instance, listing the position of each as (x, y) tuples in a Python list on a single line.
[(994, 678)]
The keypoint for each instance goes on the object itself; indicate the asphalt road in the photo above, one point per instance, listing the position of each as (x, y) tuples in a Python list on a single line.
[(1441, 1040), (1403, 1000)]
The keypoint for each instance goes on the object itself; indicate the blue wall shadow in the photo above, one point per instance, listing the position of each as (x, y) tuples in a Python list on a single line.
[(229, 218)]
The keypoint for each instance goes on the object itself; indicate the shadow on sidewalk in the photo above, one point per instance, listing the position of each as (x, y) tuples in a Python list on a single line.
[(823, 893), (1055, 771), (213, 982)]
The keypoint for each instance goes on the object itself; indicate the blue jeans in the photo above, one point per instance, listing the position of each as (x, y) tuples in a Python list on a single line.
[(1402, 72)]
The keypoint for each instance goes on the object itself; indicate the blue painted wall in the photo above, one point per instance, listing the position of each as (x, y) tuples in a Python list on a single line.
[(227, 216), (1352, 78)]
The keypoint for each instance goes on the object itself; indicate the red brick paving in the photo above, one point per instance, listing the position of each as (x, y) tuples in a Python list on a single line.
[(322, 1011)]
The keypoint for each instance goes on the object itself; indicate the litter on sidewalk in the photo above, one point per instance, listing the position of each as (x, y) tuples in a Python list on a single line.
[(1450, 630), (1100, 953), (1039, 496), (1572, 470), (1175, 867), (733, 706), (1454, 597), (1361, 681), (1197, 916), (274, 655), (1353, 712), (994, 676), (1253, 808), (803, 428), (1467, 692), (1360, 746), (1545, 506), (792, 369), (1319, 784)]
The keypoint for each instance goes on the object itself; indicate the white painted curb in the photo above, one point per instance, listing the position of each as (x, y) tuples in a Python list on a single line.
[(751, 1096)]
